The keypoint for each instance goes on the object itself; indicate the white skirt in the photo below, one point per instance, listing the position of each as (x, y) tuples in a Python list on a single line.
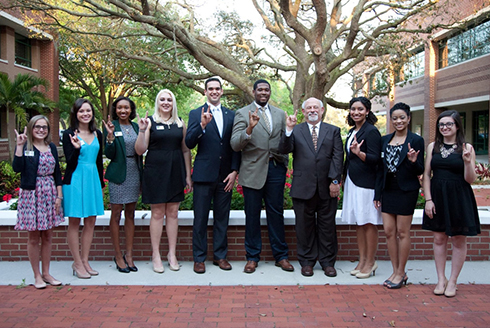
[(358, 205)]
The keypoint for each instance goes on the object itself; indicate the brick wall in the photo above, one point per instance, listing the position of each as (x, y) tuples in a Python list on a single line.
[(13, 244)]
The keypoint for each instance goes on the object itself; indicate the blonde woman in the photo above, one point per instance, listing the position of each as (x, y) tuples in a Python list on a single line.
[(166, 173)]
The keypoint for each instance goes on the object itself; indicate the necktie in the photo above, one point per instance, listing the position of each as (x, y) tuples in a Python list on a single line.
[(314, 136), (218, 118), (266, 118)]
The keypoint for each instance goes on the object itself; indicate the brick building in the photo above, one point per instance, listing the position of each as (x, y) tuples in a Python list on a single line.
[(26, 50), (450, 71)]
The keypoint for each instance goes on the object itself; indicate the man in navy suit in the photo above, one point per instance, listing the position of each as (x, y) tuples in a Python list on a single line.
[(317, 166), (215, 170)]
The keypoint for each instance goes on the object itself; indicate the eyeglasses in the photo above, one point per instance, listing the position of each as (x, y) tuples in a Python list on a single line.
[(447, 125), (41, 127)]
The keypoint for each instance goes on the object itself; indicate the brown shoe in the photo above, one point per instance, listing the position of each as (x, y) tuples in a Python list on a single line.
[(307, 271), (250, 267), (199, 267), (330, 271), (285, 265), (223, 264)]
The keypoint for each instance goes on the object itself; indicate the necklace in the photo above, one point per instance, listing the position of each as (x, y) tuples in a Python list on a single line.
[(446, 152)]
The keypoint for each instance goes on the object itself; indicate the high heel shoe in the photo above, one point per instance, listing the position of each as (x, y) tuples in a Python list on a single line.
[(361, 275), (159, 268), (91, 271), (399, 285), (354, 272), (440, 292), (78, 274), (131, 268), (173, 267), (122, 270)]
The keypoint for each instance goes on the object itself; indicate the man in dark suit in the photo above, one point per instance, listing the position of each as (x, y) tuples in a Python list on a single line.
[(317, 168), (215, 170), (257, 130)]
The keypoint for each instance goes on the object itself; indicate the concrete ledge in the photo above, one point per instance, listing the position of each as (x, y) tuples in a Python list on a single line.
[(237, 218)]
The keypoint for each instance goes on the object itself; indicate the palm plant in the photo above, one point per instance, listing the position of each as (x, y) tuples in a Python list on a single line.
[(20, 95)]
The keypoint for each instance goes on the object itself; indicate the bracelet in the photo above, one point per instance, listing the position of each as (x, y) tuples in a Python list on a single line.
[(428, 200), (59, 197)]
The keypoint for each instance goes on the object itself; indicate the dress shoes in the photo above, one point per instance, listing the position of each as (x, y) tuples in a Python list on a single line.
[(285, 265), (250, 267), (199, 267), (330, 271), (307, 271), (223, 264)]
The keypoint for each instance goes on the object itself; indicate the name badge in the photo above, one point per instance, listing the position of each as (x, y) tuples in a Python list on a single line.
[(160, 127), (29, 153), (82, 142), (118, 134)]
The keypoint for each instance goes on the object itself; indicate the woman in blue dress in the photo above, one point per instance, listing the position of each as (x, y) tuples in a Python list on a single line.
[(82, 183)]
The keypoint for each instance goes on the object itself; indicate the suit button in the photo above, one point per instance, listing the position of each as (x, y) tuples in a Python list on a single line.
[(220, 157)]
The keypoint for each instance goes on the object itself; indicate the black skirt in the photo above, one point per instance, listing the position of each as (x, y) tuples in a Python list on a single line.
[(397, 201)]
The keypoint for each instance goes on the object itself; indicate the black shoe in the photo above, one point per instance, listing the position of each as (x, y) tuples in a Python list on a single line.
[(122, 270), (131, 268)]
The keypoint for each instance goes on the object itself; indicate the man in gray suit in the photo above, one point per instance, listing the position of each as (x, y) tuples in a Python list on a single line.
[(317, 163), (257, 130)]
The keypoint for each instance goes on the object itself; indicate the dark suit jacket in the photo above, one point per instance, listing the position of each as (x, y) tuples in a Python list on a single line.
[(28, 165), (407, 172), (71, 156), (363, 174), (314, 170), (215, 158), (116, 152)]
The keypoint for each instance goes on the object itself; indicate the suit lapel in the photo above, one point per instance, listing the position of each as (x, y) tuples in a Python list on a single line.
[(321, 135), (304, 129), (212, 124)]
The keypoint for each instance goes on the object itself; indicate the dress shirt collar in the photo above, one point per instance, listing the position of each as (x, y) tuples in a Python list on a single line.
[(212, 107), (266, 107)]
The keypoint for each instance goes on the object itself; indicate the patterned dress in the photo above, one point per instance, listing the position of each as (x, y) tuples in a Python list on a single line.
[(128, 191), (35, 210)]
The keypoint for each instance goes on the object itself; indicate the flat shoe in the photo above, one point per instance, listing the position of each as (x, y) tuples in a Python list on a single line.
[(223, 264), (40, 286), (440, 292), (53, 282)]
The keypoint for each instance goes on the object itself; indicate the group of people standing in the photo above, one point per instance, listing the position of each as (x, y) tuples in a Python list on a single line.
[(379, 177)]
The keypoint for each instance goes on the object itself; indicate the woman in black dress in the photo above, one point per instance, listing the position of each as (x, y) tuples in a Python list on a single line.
[(397, 189), (166, 173), (450, 206)]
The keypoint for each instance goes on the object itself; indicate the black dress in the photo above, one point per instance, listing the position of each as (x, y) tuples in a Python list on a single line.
[(454, 200), (394, 199), (164, 170)]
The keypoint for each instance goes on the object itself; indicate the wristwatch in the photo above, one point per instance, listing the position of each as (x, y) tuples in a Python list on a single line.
[(335, 182)]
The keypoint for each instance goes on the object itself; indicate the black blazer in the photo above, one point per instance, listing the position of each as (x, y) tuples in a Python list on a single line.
[(407, 172), (214, 159), (313, 170), (71, 155), (28, 165), (363, 174), (116, 152)]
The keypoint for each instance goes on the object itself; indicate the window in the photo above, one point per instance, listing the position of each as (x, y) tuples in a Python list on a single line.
[(378, 82), (23, 50), (415, 66), (469, 44)]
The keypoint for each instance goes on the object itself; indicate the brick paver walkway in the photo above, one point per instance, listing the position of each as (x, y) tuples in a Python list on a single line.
[(239, 306)]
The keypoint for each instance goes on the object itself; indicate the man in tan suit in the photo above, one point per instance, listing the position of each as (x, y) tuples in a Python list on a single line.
[(257, 130)]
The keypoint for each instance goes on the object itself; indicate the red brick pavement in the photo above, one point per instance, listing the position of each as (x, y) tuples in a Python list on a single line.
[(240, 306)]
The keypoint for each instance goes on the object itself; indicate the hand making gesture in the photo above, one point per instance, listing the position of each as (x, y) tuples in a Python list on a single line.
[(355, 147), (109, 126), (206, 117), (253, 120), (467, 152), (412, 154), (75, 141), (291, 121), (21, 138), (143, 122)]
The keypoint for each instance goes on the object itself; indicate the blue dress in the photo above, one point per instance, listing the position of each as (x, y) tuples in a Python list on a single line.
[(83, 197)]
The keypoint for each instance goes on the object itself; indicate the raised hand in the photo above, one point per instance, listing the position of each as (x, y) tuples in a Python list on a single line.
[(355, 147), (21, 138), (75, 141), (206, 117), (467, 151), (253, 118), (412, 154), (291, 121), (109, 126), (143, 122)]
